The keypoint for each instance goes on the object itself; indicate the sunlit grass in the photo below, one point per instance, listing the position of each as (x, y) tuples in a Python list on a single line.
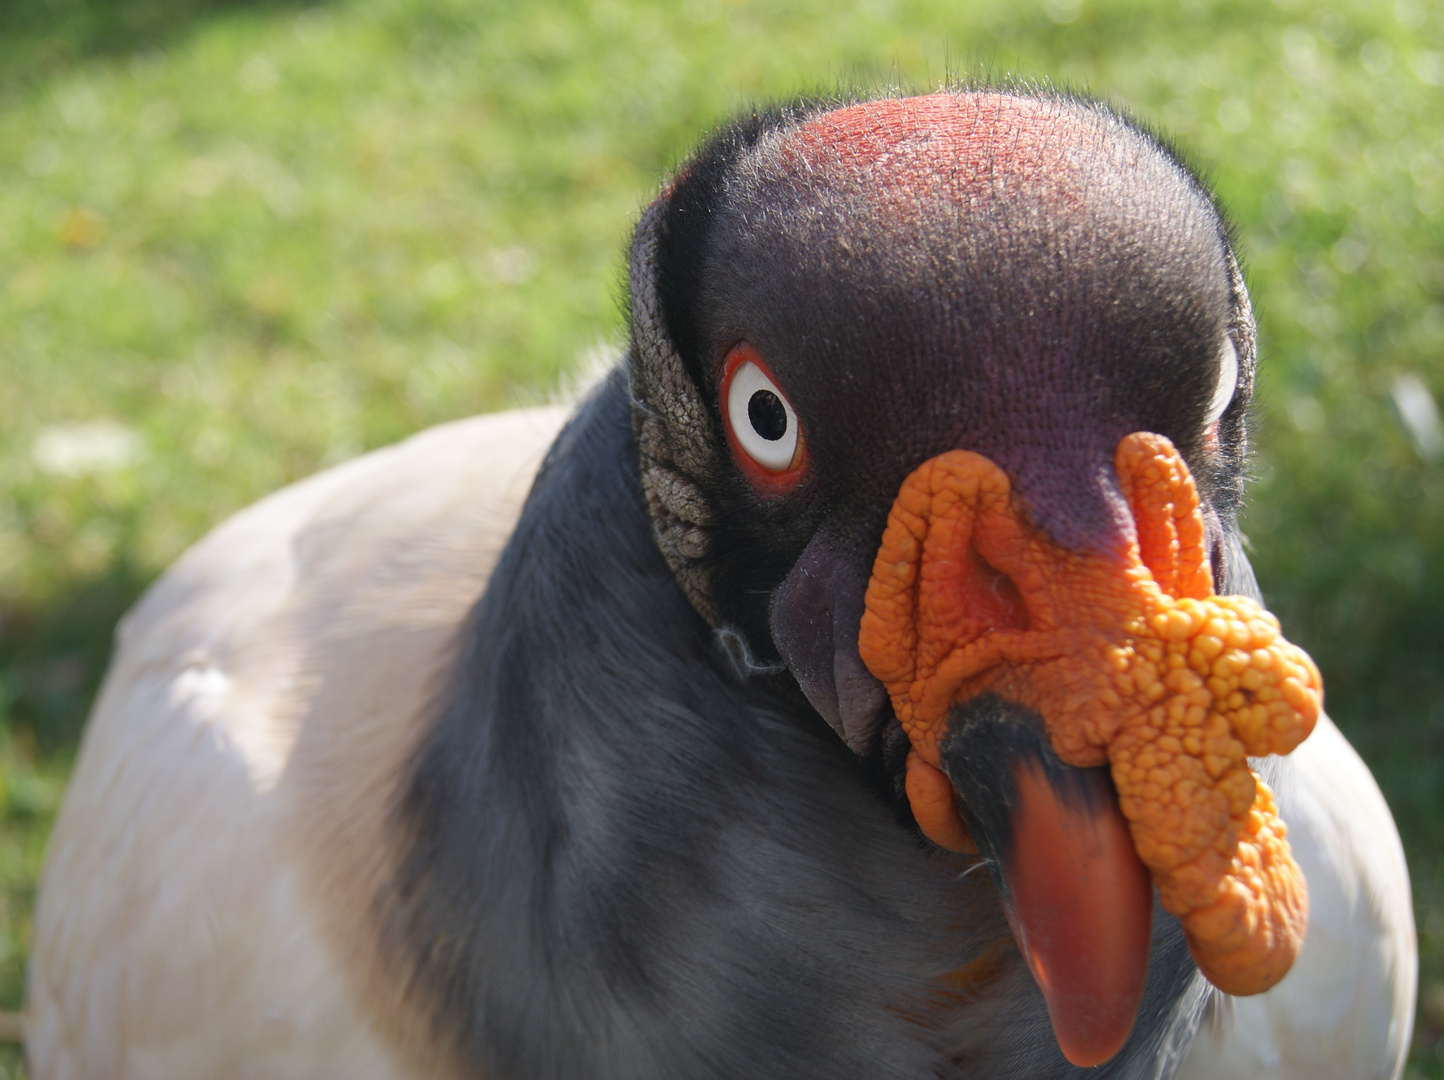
[(239, 242)]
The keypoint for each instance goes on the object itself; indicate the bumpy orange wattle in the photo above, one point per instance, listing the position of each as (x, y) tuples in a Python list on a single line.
[(1131, 660)]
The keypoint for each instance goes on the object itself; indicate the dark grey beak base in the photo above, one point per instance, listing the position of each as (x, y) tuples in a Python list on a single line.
[(815, 616), (989, 739)]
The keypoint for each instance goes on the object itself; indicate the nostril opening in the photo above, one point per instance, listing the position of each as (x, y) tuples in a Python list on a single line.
[(994, 600)]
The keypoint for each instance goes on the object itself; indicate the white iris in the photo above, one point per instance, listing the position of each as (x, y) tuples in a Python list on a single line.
[(761, 418), (1227, 382)]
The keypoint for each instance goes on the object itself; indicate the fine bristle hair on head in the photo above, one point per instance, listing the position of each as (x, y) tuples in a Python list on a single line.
[(822, 221)]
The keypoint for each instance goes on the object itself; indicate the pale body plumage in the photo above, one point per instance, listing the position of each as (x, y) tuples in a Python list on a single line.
[(324, 611), (264, 701), (1345, 1008)]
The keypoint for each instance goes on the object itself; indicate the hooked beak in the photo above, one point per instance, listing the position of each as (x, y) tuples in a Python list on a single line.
[(1020, 669), (1078, 898)]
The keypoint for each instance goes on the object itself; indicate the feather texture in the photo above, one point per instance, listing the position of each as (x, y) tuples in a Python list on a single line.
[(180, 928), (208, 904)]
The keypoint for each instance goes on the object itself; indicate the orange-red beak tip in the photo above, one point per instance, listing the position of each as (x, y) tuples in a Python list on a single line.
[(1091, 1040), (1081, 907)]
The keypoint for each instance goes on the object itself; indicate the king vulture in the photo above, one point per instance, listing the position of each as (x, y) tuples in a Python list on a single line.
[(865, 680)]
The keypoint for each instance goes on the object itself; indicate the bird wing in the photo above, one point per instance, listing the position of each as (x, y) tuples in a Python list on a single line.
[(1345, 1010), (180, 928)]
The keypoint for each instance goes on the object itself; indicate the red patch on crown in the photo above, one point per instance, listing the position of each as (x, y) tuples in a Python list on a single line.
[(968, 142)]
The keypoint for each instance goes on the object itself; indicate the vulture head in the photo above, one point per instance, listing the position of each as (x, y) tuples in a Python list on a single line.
[(940, 405)]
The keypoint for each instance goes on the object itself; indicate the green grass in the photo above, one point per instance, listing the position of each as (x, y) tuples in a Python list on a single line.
[(249, 240)]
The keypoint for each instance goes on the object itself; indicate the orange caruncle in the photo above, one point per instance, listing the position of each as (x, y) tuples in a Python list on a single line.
[(1131, 660)]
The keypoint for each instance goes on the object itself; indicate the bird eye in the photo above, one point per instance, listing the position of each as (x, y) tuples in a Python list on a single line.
[(763, 428), (1227, 383)]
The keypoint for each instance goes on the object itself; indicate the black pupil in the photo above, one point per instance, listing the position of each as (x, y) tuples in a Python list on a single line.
[(769, 418)]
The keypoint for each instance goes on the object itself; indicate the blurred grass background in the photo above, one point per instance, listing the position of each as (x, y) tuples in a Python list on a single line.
[(242, 241)]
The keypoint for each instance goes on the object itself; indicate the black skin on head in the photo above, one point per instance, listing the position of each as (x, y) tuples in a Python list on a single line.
[(1034, 319), (624, 857), (1034, 337), (1035, 334)]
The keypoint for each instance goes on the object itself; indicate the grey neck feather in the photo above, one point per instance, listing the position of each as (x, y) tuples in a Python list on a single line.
[(676, 437), (1243, 330)]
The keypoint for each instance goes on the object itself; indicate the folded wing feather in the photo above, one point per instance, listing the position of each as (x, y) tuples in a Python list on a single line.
[(181, 930), (225, 830)]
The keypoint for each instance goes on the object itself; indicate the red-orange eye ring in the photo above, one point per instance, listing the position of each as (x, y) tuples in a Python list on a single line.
[(762, 428)]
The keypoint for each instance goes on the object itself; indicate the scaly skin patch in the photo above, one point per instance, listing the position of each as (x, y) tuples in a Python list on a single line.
[(1131, 660)]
